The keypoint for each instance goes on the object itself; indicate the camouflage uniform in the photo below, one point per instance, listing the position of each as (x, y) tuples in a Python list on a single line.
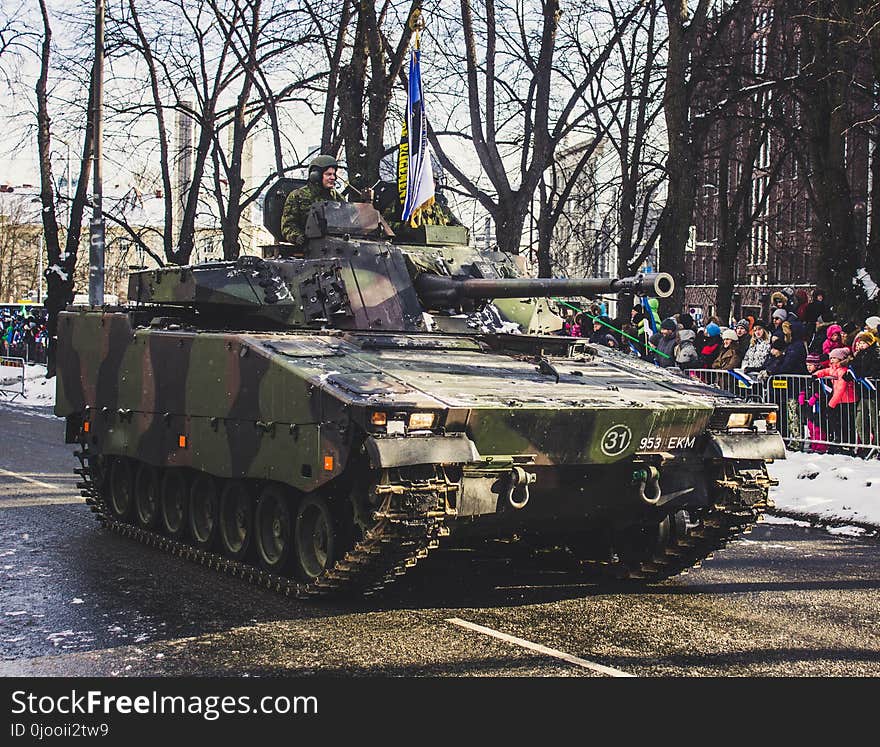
[(296, 210)]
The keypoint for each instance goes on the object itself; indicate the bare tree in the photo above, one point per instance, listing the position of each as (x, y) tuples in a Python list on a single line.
[(524, 99), (630, 104), (835, 87), (217, 50), (61, 264)]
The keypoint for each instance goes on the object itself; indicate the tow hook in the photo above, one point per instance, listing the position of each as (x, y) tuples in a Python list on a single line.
[(648, 480), (518, 484)]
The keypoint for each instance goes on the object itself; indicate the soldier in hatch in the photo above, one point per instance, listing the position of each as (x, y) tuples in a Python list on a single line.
[(321, 186)]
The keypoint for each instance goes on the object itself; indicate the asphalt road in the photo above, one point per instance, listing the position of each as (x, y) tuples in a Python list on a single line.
[(76, 600)]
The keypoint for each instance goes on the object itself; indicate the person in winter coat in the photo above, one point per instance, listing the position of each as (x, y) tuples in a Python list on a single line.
[(686, 321), (572, 327), (759, 349), (778, 300), (599, 332), (686, 355), (866, 356), (811, 401), (774, 362), (744, 337), (801, 303), (710, 345), (841, 405), (794, 360), (833, 338), (665, 341), (729, 357), (777, 319), (865, 366), (816, 309)]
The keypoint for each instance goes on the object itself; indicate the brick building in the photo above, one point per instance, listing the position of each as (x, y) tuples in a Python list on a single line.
[(780, 247)]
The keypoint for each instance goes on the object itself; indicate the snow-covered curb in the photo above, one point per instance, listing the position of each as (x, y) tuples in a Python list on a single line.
[(835, 489)]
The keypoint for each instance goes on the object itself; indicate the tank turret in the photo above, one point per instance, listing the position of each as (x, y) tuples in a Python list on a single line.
[(351, 276)]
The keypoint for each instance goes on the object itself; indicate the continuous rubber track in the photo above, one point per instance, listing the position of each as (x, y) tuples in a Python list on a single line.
[(687, 550), (395, 543), (398, 540)]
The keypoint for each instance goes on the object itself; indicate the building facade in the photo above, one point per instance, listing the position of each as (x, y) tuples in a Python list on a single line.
[(753, 182)]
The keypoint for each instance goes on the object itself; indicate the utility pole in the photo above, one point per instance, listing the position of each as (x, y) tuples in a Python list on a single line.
[(96, 238)]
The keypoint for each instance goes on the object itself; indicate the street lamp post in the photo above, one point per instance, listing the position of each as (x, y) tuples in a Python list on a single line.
[(96, 239)]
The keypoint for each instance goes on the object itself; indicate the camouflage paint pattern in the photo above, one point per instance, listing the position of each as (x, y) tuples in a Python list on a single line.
[(297, 207), (271, 369)]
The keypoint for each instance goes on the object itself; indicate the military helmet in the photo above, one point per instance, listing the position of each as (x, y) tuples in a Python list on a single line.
[(322, 163), (319, 165)]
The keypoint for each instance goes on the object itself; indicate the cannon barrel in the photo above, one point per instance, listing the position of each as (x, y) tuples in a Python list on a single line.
[(438, 291)]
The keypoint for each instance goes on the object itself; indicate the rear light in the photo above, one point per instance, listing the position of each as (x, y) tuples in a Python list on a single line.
[(771, 420), (378, 419)]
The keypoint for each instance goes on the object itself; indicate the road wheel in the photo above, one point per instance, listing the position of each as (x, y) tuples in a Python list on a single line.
[(273, 523), (173, 503), (236, 519), (315, 538), (146, 496), (204, 508), (121, 490)]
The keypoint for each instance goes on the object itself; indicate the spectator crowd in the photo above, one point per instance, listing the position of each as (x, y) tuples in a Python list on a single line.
[(23, 333), (801, 337), (800, 331)]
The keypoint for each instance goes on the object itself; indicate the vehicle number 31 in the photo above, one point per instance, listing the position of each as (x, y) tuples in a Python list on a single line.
[(616, 440)]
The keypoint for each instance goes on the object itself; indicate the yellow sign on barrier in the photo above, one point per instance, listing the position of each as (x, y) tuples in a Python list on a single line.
[(780, 384)]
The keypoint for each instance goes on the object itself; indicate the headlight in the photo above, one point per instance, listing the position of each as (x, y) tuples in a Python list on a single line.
[(421, 421), (739, 420)]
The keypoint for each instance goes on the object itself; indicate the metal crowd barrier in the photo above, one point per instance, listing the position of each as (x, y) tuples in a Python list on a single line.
[(807, 422), (8, 386), (20, 349)]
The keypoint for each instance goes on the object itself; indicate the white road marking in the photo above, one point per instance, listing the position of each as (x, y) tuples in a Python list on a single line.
[(537, 647), (30, 480)]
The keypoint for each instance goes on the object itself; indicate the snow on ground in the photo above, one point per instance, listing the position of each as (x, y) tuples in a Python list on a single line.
[(829, 486), (824, 486), (39, 392)]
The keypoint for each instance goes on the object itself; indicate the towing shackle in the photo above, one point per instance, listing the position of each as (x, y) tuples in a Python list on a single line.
[(518, 482), (648, 480)]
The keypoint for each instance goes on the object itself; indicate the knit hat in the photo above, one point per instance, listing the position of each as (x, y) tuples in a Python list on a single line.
[(814, 358), (669, 323), (729, 334), (839, 354), (779, 344), (713, 329), (873, 322), (867, 336), (780, 314), (744, 323)]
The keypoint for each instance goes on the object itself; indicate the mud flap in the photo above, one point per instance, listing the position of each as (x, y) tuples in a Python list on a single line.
[(408, 450), (745, 446)]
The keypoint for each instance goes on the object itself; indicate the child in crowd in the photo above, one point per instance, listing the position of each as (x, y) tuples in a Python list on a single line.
[(841, 405)]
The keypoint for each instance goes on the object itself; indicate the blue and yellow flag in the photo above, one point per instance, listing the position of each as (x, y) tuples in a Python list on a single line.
[(415, 177)]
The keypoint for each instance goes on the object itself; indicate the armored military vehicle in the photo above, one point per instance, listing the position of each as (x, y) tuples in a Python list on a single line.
[(320, 418)]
